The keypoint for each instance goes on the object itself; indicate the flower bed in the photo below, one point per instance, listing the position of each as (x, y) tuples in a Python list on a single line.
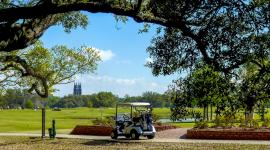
[(92, 130), (106, 130), (229, 134), (164, 127)]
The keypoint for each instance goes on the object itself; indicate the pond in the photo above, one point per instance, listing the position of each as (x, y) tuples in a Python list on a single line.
[(167, 120)]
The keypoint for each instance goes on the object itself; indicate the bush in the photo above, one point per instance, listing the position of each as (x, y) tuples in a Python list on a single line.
[(107, 121), (155, 117), (266, 122), (242, 122), (251, 123), (254, 124), (29, 104), (201, 124), (218, 122)]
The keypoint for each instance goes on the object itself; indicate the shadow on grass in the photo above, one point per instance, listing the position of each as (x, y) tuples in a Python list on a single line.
[(112, 142)]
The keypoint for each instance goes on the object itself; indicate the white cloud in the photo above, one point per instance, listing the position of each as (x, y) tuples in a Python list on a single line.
[(105, 55), (126, 81), (148, 59), (154, 84), (119, 81), (117, 85)]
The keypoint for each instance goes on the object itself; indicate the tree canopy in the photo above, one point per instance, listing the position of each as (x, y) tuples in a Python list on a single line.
[(224, 34)]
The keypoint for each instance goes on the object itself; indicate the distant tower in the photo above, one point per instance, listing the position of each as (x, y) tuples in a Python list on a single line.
[(77, 90)]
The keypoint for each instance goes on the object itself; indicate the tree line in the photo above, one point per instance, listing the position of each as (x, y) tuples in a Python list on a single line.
[(245, 91), (17, 98)]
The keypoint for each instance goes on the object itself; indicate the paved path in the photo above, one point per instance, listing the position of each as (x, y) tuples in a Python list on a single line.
[(162, 136)]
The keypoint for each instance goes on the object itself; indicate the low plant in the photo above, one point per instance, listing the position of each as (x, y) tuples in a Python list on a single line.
[(249, 123), (201, 124), (254, 124), (107, 121), (155, 117), (243, 123), (266, 122), (218, 122)]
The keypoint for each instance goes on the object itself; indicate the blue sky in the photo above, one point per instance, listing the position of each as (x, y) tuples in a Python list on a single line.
[(123, 52)]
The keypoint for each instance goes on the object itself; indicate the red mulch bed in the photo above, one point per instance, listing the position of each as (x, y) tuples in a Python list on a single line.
[(164, 127), (100, 130), (229, 134), (92, 130)]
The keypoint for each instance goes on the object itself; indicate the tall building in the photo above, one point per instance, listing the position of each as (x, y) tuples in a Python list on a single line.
[(77, 90)]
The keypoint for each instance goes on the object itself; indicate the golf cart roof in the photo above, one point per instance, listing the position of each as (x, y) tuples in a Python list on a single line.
[(135, 104)]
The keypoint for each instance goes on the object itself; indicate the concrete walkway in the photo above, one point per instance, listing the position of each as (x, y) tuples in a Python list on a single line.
[(121, 139)]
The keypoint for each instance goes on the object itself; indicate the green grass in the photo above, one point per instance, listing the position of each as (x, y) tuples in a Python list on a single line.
[(81, 144), (30, 121)]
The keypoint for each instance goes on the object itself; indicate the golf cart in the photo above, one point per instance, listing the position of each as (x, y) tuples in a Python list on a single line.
[(134, 124)]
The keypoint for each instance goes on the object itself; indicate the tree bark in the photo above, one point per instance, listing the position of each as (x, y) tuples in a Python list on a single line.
[(211, 117)]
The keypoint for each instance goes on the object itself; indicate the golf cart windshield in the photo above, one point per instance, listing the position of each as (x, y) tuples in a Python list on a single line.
[(123, 117), (126, 111)]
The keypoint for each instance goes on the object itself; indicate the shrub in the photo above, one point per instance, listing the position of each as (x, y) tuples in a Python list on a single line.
[(266, 122), (243, 123), (155, 117), (251, 123), (201, 124), (254, 124), (107, 121), (218, 122), (29, 104)]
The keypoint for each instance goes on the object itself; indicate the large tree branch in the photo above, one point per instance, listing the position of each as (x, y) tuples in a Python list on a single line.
[(27, 71), (92, 7), (20, 36)]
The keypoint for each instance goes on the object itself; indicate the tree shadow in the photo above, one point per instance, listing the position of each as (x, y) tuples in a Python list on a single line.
[(111, 142), (184, 136)]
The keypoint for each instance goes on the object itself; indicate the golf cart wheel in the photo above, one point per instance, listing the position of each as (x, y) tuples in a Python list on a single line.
[(127, 136), (151, 136), (114, 134), (134, 135)]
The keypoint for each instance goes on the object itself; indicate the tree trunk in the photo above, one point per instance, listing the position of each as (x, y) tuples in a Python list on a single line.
[(207, 115), (204, 110), (249, 114), (263, 113), (211, 117)]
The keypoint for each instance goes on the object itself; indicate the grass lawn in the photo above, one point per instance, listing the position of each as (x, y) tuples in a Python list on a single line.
[(81, 144), (28, 120)]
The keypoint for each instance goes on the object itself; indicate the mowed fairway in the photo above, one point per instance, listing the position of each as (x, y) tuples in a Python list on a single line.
[(28, 120)]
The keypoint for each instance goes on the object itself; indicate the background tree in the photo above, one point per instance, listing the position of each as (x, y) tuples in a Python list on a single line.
[(39, 69), (29, 104), (104, 99), (254, 87), (203, 87), (154, 98)]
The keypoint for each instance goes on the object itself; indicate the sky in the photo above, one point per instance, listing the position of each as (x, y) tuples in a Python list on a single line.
[(123, 53)]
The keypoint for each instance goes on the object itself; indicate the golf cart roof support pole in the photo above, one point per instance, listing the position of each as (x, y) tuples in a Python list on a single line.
[(116, 113), (131, 112)]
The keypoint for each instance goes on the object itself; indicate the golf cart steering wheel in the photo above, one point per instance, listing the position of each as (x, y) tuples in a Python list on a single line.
[(126, 117)]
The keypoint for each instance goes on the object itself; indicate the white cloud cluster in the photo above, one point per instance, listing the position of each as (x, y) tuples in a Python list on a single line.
[(105, 55), (119, 86), (119, 81), (148, 60)]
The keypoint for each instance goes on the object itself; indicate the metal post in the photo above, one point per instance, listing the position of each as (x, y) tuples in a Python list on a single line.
[(43, 123)]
